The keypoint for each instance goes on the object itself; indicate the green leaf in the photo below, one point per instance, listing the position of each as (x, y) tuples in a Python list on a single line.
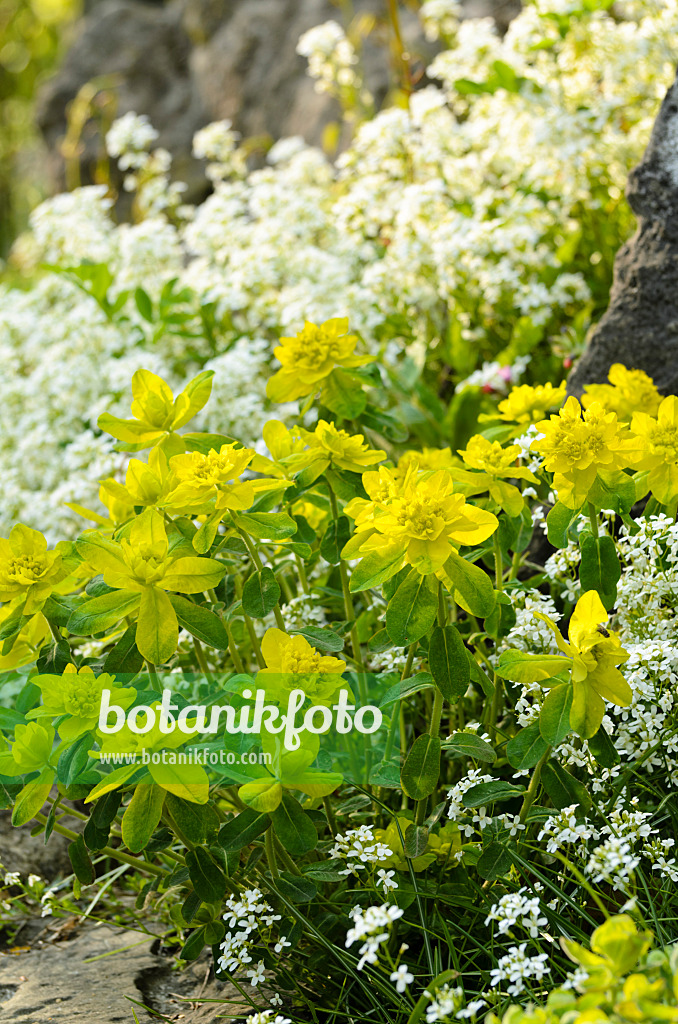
[(194, 945), (412, 610), (465, 744), (293, 827), (124, 658), (200, 622), (599, 568), (296, 888), (520, 667), (335, 537), (206, 876), (343, 394), (31, 798), (375, 569), (157, 626), (144, 305), (494, 862), (142, 816), (406, 688), (448, 662), (526, 748), (267, 525), (562, 788), (558, 522), (83, 869), (13, 624), (603, 749), (73, 760), (554, 717), (99, 614), (490, 792), (416, 841), (199, 823), (260, 593), (473, 587), (242, 830), (203, 539), (322, 639), (421, 770), (613, 489)]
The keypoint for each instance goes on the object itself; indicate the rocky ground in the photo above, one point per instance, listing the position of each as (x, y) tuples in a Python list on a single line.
[(70, 970)]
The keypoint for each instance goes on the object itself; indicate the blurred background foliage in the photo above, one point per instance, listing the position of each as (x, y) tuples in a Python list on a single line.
[(33, 35)]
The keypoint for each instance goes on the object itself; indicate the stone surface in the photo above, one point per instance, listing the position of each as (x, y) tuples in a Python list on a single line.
[(640, 327), (27, 854), (56, 980)]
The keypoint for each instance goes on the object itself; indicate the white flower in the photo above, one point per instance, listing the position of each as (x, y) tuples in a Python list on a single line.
[(256, 974), (402, 978), (386, 880)]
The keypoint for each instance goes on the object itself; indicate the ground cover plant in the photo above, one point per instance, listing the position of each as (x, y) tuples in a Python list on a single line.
[(281, 442)]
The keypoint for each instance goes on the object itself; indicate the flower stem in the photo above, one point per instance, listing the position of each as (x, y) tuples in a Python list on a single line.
[(270, 852), (202, 661), (531, 794), (254, 555), (153, 676)]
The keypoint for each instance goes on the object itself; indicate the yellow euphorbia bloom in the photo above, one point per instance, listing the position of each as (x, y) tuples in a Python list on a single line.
[(629, 391), (291, 663), (201, 478), (493, 464), (427, 458), (157, 414), (576, 449), (143, 564), (418, 523), (28, 570), (310, 356), (328, 446), (659, 448), (77, 694), (595, 651), (526, 403)]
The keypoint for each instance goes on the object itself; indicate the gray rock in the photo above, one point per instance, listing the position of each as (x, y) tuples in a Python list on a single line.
[(54, 982), (27, 854), (640, 326)]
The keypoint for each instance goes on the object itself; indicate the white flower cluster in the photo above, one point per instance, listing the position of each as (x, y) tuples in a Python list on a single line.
[(129, 139), (244, 917), (516, 908), (373, 924), (359, 848), (516, 967), (448, 1003), (331, 56)]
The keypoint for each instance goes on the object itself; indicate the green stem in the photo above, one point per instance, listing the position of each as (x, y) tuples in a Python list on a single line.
[(593, 519), (54, 630), (442, 606), (531, 794), (202, 661), (329, 811), (303, 579), (433, 730), (106, 851), (233, 651), (498, 562), (270, 853), (153, 676), (254, 640)]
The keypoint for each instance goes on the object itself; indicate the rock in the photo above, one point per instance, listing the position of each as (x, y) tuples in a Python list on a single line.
[(27, 854), (640, 326), (54, 981)]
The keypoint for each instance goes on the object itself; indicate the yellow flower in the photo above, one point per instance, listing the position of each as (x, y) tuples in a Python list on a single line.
[(526, 403), (576, 449), (291, 663), (427, 458), (659, 451), (595, 651), (417, 524), (200, 478), (143, 564), (310, 356), (629, 391), (328, 446), (28, 570), (157, 414), (491, 463), (77, 693)]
